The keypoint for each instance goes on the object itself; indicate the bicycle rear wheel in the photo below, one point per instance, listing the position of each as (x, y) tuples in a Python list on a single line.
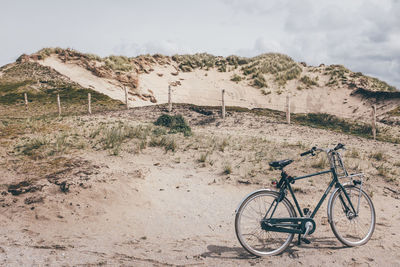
[(352, 230), (248, 229)]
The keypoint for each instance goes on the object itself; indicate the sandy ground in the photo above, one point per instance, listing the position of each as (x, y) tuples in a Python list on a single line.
[(157, 209)]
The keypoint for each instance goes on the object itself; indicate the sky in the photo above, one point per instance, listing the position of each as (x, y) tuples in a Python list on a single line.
[(363, 35)]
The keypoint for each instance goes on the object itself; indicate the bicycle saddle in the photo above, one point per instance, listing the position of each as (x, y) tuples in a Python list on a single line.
[(280, 163)]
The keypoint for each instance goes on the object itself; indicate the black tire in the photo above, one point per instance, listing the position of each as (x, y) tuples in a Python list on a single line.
[(349, 229), (249, 215)]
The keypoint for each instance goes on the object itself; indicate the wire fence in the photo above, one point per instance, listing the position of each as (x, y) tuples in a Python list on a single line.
[(229, 100)]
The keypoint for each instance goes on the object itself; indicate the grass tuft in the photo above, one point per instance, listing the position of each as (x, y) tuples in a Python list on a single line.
[(227, 169), (378, 156)]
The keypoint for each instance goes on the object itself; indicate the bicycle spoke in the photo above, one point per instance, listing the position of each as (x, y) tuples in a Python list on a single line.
[(255, 239), (353, 229)]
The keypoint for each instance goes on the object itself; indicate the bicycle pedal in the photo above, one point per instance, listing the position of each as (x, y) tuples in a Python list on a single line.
[(305, 240)]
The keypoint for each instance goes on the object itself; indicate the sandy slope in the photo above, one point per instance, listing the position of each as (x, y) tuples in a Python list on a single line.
[(85, 78), (163, 209), (203, 87)]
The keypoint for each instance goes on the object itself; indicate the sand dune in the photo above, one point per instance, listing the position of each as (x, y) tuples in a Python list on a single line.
[(204, 87)]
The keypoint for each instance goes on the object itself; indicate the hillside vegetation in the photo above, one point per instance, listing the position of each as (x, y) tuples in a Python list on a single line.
[(272, 74), (282, 67)]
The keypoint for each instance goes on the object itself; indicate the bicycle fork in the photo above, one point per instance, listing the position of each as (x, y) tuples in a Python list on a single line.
[(345, 207)]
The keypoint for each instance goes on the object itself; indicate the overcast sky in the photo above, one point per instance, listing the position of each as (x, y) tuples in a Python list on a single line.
[(363, 35)]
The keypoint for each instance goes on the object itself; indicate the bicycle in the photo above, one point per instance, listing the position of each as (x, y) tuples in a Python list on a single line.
[(266, 221)]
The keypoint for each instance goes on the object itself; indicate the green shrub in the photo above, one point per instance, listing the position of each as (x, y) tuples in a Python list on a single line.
[(290, 74), (306, 80), (200, 60), (93, 57), (175, 123), (236, 78), (327, 121), (159, 131), (120, 63), (222, 68), (259, 80)]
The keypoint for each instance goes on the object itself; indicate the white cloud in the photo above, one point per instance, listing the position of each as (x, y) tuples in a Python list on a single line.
[(165, 47), (261, 45), (362, 35)]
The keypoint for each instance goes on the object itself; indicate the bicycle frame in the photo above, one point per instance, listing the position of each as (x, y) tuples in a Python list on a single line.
[(335, 182), (278, 224)]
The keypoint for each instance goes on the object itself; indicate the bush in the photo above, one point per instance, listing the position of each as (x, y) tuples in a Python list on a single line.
[(259, 80), (332, 122), (236, 78), (175, 123), (306, 80), (118, 63)]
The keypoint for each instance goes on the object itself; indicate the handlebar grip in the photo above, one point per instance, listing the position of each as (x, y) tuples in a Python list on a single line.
[(338, 146), (305, 153)]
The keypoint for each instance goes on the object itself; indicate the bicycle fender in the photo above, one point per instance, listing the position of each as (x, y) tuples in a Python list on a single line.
[(251, 193)]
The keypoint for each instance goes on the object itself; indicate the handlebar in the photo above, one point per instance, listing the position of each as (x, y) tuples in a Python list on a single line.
[(313, 149)]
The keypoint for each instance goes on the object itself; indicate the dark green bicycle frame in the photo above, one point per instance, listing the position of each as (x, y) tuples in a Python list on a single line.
[(278, 227)]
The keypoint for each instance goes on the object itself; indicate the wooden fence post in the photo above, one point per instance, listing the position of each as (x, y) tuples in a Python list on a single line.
[(126, 98), (89, 103), (374, 121), (59, 104), (288, 109), (26, 101), (223, 105), (169, 99)]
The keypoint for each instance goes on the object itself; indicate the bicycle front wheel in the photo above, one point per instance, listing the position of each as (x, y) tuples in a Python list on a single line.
[(251, 236), (352, 229)]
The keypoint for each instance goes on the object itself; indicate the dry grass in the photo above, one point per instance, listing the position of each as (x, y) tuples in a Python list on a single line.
[(227, 169), (379, 156), (240, 156), (322, 163)]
